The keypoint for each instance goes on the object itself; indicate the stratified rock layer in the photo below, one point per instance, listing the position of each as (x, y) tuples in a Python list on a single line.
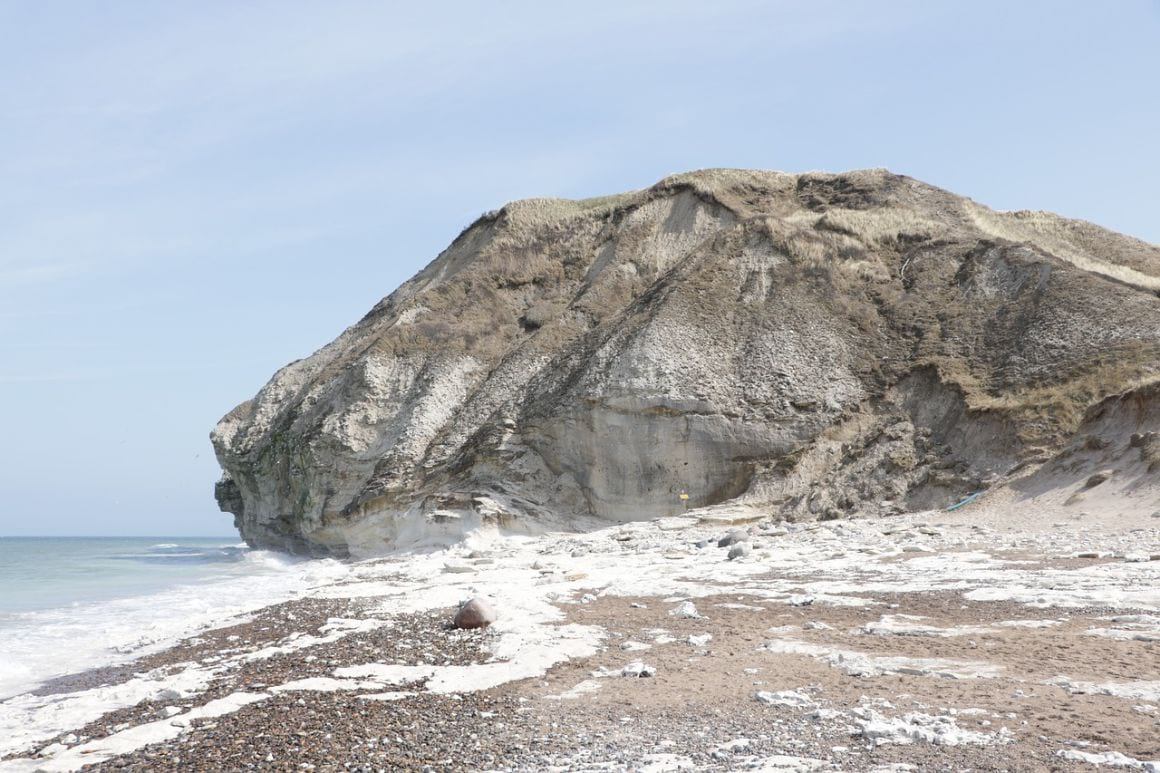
[(816, 344)]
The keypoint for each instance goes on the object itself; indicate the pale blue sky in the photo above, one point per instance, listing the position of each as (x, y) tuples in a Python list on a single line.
[(193, 194)]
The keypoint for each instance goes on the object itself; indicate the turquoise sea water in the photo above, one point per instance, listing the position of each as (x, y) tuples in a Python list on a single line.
[(71, 604), (51, 572)]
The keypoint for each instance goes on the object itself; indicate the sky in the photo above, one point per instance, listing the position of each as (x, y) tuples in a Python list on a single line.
[(193, 194)]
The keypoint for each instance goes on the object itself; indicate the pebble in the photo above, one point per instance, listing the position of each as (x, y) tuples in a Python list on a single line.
[(740, 550)]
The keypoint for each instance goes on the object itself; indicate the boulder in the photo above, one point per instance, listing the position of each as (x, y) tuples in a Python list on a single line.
[(476, 613), (733, 537)]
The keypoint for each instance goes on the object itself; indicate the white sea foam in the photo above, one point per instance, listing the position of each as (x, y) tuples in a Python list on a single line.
[(39, 646)]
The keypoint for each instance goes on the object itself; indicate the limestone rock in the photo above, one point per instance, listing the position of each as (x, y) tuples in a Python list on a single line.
[(686, 610), (733, 537), (817, 344), (638, 669)]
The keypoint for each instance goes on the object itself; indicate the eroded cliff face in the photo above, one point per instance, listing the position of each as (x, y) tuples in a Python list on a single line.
[(820, 345)]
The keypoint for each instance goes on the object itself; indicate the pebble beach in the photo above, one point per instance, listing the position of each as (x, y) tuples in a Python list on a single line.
[(974, 639)]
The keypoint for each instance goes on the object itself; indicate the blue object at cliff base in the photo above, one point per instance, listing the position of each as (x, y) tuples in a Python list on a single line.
[(966, 501)]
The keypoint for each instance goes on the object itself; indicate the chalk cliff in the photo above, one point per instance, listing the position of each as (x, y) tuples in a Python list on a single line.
[(818, 345)]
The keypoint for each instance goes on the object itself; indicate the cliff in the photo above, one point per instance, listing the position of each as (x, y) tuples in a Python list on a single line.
[(814, 345)]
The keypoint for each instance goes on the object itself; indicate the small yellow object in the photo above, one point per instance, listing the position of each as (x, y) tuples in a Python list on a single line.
[(684, 496)]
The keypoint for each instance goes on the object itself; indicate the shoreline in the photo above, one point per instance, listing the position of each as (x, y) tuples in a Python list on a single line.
[(971, 638), (194, 593)]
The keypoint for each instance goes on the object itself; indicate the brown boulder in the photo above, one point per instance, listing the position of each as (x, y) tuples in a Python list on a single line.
[(476, 613)]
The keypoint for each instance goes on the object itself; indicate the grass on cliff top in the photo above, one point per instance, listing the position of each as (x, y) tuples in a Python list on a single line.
[(1127, 260)]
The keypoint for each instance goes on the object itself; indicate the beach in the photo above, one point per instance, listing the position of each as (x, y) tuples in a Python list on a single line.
[(990, 637)]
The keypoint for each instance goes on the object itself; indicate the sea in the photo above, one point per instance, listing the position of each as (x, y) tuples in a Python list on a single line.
[(70, 604)]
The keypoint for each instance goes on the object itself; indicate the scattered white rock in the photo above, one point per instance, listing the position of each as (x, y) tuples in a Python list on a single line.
[(52, 750), (685, 610), (1147, 691), (638, 669), (392, 695), (634, 646), (922, 728), (582, 688), (786, 698), (1111, 759)]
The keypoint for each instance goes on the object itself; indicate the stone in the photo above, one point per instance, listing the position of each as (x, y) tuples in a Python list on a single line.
[(685, 610), (733, 537), (739, 551), (785, 698), (476, 613), (638, 669), (1098, 478)]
